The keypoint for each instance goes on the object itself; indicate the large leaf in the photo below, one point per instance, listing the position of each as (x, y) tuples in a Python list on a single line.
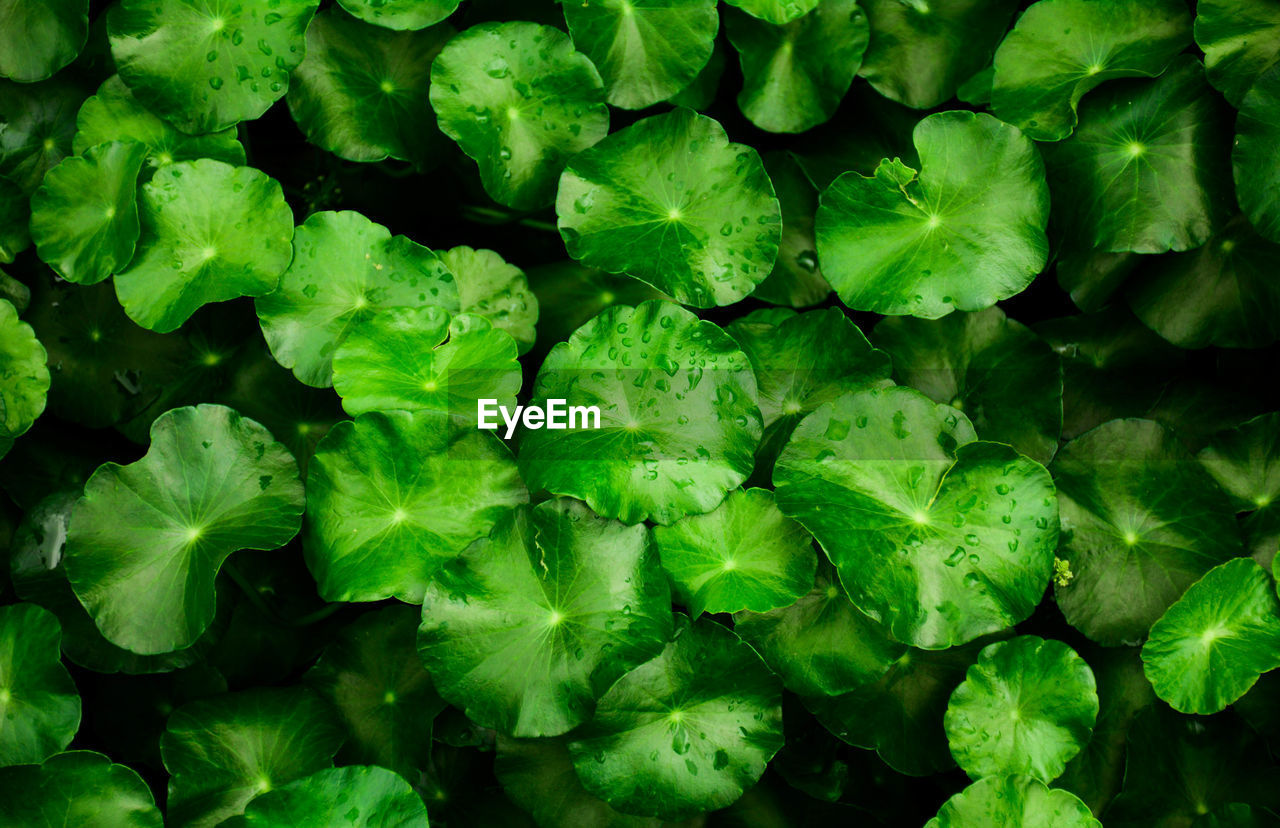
[(39, 121), (646, 50), (576, 599), (940, 544), (1209, 648), (207, 66), (345, 269), (1141, 521), (84, 217), (678, 418), (355, 796), (1013, 800), (519, 100), (1246, 462), (224, 751), (685, 732), (496, 290), (24, 377), (1025, 708), (744, 555), (147, 540), (670, 201), (1061, 49), (1146, 169), (39, 37), (795, 75), (1001, 375), (1240, 39), (1257, 171), (79, 788), (39, 705), (392, 496), (210, 232), (922, 50), (908, 242), (361, 92)]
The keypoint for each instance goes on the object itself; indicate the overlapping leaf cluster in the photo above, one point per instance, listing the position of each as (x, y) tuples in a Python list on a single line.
[(933, 343)]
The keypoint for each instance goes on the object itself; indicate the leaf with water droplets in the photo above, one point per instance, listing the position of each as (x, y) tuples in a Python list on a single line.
[(401, 14), (354, 796)]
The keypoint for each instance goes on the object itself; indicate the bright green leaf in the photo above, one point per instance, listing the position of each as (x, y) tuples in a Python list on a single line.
[(355, 796), (79, 788), (24, 377), (39, 37), (1013, 800), (39, 705), (401, 14), (498, 291), (1240, 39), (1257, 169)]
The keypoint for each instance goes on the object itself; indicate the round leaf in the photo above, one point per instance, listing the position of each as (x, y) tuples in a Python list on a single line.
[(678, 417), (646, 50), (1246, 462), (923, 50), (685, 732), (519, 100), (419, 360), (902, 242), (776, 12), (39, 121), (1025, 708), (795, 75), (392, 496), (1141, 521), (744, 555), (84, 217), (401, 14), (1257, 171), (345, 269), (938, 543), (24, 377), (361, 92), (1240, 39), (39, 37), (1004, 377), (1061, 49), (204, 67), (79, 788), (498, 291), (39, 705), (223, 751), (114, 114), (355, 796), (670, 201), (147, 540), (1013, 800), (1211, 646), (580, 596), (1146, 168), (210, 232)]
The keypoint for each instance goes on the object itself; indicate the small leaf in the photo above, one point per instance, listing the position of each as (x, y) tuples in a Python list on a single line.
[(776, 12), (401, 14), (39, 121), (1246, 462), (24, 377), (496, 290)]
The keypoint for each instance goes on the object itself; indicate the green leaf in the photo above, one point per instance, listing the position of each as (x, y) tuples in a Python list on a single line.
[(496, 290), (79, 788), (393, 495), (204, 67), (39, 704), (1061, 49), (938, 543), (24, 377), (84, 217), (1257, 172), (420, 360), (519, 100), (360, 797), (796, 280), (361, 92), (401, 14), (1240, 39), (39, 38), (646, 50), (147, 539), (701, 93), (114, 114), (1005, 378), (1013, 800), (744, 555), (922, 50), (670, 201), (686, 732), (15, 215), (901, 243), (210, 232), (1146, 168), (821, 645), (678, 418), (224, 751), (1211, 646), (345, 269), (1246, 462), (570, 295), (581, 596), (39, 121), (1025, 708), (795, 75), (1141, 521), (371, 674), (776, 12)]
